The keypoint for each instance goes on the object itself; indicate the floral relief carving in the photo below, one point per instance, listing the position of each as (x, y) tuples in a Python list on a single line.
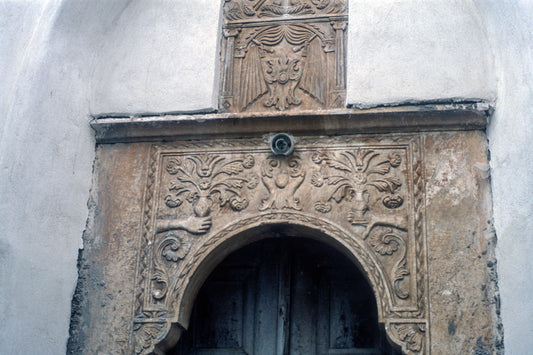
[(249, 9), (171, 248), (387, 244), (203, 180), (174, 246), (282, 77), (351, 177), (393, 201), (357, 192), (354, 176), (282, 176), (148, 328)]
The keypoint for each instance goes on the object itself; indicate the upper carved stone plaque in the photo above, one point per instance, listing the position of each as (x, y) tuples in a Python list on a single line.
[(283, 55)]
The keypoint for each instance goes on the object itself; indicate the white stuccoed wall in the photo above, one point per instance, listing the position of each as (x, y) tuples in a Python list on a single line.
[(61, 61), (417, 50), (509, 27)]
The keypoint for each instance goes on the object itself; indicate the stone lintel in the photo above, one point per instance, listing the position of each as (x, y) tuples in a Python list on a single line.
[(407, 118)]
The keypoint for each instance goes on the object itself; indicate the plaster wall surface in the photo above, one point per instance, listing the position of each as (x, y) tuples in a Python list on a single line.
[(409, 51), (63, 60), (60, 62), (510, 135), (157, 56)]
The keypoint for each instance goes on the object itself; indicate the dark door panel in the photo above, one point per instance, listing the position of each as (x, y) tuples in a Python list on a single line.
[(285, 296)]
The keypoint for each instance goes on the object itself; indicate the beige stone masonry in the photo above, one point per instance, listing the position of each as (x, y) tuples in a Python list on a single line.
[(411, 210)]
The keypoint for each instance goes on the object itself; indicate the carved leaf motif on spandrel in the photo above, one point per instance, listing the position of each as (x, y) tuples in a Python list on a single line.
[(171, 248), (387, 244), (203, 180), (351, 177)]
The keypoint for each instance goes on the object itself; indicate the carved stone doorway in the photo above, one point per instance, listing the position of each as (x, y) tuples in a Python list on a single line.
[(403, 192), (285, 295), (410, 208)]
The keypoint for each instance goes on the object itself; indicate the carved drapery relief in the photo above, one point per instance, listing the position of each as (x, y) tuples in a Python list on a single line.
[(365, 192), (279, 55)]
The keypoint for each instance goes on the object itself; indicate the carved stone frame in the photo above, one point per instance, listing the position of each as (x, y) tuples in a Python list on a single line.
[(283, 57), (176, 257), (150, 243), (358, 180)]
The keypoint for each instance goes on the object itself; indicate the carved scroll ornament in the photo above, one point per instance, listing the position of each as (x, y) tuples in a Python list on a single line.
[(366, 193), (410, 336)]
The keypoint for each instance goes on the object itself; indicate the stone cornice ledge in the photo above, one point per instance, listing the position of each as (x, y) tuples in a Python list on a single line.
[(405, 118)]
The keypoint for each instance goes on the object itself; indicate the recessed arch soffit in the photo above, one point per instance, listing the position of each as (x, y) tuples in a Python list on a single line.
[(364, 192)]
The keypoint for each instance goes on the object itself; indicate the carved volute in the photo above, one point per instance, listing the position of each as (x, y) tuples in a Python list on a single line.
[(283, 55)]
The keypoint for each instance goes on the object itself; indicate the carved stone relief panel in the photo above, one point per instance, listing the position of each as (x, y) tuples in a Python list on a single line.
[(283, 55), (365, 193)]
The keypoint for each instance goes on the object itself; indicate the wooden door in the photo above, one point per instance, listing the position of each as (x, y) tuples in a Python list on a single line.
[(285, 296)]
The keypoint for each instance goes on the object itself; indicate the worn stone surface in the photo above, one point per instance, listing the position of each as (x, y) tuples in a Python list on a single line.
[(168, 213), (103, 300), (463, 294)]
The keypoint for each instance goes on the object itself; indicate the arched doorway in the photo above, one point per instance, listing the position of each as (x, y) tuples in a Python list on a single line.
[(285, 296)]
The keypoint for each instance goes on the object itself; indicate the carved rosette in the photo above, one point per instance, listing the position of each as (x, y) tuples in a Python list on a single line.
[(282, 55), (365, 192)]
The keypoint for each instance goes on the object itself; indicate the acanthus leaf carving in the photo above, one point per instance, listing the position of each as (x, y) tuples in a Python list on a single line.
[(172, 247), (146, 335), (387, 244), (149, 328)]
